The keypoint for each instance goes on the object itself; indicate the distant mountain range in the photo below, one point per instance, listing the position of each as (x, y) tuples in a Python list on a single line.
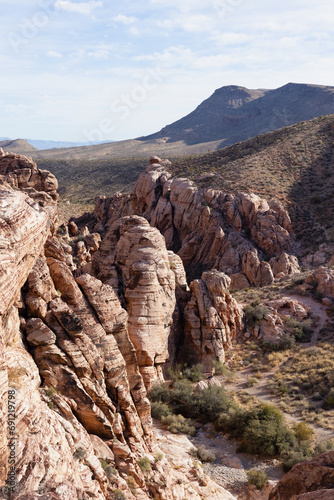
[(41, 145), (232, 114)]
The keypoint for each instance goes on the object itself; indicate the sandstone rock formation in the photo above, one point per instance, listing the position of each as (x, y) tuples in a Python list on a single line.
[(212, 318), (323, 279), (308, 480), (77, 349), (273, 325), (206, 228)]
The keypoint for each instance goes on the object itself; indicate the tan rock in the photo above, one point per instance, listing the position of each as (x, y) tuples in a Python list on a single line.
[(284, 264), (212, 318), (316, 474), (324, 279), (258, 273)]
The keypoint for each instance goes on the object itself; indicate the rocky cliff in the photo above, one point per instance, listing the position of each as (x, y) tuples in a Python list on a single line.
[(85, 331)]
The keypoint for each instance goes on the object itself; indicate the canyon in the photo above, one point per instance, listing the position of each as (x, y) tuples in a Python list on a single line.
[(93, 313)]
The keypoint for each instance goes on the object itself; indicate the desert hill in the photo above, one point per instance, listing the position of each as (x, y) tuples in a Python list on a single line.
[(233, 113), (17, 146), (294, 164)]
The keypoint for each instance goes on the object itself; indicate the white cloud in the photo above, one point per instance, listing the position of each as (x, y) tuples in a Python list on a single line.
[(80, 8), (122, 19), (99, 54), (54, 54)]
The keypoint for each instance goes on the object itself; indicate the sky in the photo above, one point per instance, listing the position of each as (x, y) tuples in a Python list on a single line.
[(100, 70)]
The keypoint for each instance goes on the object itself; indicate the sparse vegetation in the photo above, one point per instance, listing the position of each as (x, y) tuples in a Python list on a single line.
[(144, 464), (257, 477)]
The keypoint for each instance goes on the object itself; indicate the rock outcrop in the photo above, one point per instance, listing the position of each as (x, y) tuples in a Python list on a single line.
[(310, 480), (212, 318), (323, 281), (84, 331), (206, 228)]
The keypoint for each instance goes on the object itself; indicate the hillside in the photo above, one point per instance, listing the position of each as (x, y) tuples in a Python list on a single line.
[(294, 164), (234, 114), (20, 146)]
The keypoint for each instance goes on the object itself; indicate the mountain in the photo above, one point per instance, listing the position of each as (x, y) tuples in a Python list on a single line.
[(41, 145), (233, 114), (17, 146)]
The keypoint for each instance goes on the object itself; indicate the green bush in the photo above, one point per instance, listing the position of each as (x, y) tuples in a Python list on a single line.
[(257, 477), (203, 454), (118, 494), (159, 410), (303, 432), (297, 454), (324, 447), (193, 373), (329, 400), (254, 314), (177, 424), (144, 464), (159, 392)]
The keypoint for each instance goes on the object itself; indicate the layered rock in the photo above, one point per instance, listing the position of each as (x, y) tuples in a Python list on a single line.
[(323, 280), (133, 255), (212, 318), (308, 480), (79, 393), (206, 228), (272, 326), (22, 173)]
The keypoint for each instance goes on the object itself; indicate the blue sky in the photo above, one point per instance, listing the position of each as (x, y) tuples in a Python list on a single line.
[(103, 70)]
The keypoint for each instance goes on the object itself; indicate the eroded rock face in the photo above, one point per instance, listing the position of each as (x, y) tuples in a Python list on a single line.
[(272, 326), (323, 278), (308, 480), (21, 172), (92, 404), (133, 256), (212, 318), (206, 227)]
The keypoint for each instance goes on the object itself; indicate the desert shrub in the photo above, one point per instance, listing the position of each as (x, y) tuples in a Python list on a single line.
[(286, 342), (159, 392), (257, 477), (219, 367), (144, 464), (303, 432), (159, 410), (329, 400), (50, 392), (177, 424), (207, 405), (324, 447), (302, 332), (254, 314), (193, 373), (297, 454), (266, 433), (118, 494), (203, 454), (80, 453)]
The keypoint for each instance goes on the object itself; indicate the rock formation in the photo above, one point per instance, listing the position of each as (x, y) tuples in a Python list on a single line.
[(310, 480), (85, 329), (208, 228), (212, 318)]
